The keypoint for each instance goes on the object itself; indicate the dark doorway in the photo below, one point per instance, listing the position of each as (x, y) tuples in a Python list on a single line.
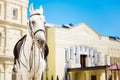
[(93, 77), (83, 60)]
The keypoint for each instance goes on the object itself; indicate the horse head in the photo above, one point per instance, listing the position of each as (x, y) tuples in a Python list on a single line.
[(37, 25)]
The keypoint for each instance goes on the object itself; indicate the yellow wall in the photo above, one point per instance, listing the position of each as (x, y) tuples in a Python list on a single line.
[(86, 75), (51, 55), (80, 76)]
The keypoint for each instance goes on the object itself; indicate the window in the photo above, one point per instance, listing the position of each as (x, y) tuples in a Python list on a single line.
[(99, 58), (66, 53), (76, 55), (80, 48), (91, 52), (71, 52), (15, 13)]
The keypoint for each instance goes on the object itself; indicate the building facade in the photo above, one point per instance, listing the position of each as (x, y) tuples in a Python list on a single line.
[(75, 53), (13, 24), (80, 53)]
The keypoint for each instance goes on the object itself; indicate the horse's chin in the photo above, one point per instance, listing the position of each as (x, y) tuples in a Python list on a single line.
[(40, 46)]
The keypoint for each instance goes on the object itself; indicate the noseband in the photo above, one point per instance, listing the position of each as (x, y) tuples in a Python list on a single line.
[(34, 33), (38, 31)]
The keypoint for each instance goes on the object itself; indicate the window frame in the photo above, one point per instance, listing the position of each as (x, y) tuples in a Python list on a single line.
[(67, 55), (15, 13)]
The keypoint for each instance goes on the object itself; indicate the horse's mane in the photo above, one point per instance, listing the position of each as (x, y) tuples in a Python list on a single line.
[(17, 48), (46, 49)]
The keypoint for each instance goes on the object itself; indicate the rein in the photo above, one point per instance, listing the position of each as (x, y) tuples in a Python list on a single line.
[(31, 58)]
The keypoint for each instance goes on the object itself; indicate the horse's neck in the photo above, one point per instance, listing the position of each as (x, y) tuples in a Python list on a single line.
[(28, 44)]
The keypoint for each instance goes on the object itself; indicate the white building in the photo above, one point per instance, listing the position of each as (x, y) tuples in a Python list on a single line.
[(75, 47), (81, 52), (13, 23)]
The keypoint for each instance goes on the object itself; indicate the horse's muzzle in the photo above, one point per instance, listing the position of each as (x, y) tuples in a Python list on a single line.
[(41, 42)]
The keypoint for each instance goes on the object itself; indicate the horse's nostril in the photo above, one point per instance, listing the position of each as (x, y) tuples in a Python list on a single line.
[(41, 42)]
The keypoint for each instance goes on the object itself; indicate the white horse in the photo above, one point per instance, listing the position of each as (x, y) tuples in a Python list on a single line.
[(31, 50)]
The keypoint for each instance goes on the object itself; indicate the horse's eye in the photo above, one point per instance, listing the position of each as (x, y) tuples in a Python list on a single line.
[(33, 22)]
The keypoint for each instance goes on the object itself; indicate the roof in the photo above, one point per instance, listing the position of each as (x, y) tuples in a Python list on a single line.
[(114, 38), (86, 28), (114, 67), (80, 28)]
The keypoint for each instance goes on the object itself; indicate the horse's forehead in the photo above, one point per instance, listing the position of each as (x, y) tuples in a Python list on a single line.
[(37, 17), (37, 11)]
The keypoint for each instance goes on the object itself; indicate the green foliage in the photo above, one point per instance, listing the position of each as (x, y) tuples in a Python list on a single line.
[(52, 77), (46, 77), (57, 77)]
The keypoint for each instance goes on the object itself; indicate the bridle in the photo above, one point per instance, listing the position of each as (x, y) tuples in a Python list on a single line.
[(33, 46), (32, 32)]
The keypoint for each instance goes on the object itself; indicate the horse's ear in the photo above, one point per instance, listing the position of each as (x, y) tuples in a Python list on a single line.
[(41, 10), (31, 8)]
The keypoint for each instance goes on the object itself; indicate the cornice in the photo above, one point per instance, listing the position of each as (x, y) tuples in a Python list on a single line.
[(13, 24), (17, 2)]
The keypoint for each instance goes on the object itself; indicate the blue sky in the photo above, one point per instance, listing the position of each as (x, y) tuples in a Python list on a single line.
[(103, 16)]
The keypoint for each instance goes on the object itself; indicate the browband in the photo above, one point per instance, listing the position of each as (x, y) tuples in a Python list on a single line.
[(35, 14)]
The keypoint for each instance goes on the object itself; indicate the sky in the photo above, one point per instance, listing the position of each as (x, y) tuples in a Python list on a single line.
[(103, 16)]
